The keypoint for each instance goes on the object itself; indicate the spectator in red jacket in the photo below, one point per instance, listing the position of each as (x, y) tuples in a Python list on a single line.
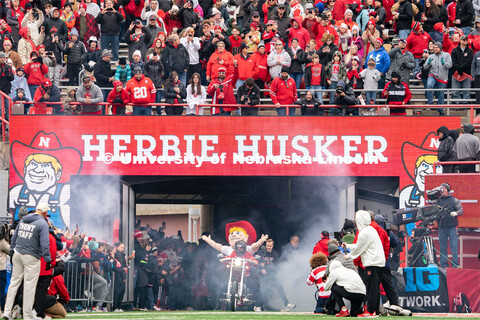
[(35, 71), (244, 65), (417, 42), (260, 71), (221, 90), (141, 91), (299, 32), (322, 27), (119, 97), (322, 245), (283, 91), (397, 94), (220, 59)]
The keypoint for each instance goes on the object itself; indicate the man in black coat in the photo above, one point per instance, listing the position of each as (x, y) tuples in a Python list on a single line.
[(189, 17), (249, 94), (464, 15), (445, 149), (104, 74), (344, 97), (175, 58), (404, 17), (462, 58), (55, 21)]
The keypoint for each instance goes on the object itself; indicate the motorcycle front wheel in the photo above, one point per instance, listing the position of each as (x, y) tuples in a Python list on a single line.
[(233, 295)]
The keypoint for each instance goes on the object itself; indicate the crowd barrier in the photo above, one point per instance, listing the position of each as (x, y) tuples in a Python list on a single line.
[(82, 285)]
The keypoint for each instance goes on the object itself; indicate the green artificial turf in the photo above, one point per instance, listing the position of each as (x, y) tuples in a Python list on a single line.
[(200, 315)]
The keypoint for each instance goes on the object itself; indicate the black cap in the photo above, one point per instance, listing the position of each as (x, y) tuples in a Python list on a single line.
[(285, 69)]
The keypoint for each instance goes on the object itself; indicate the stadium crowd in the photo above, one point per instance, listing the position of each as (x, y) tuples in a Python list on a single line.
[(180, 52), (70, 271)]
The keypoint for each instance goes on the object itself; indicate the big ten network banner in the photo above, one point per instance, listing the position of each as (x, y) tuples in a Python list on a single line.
[(425, 289), (47, 150)]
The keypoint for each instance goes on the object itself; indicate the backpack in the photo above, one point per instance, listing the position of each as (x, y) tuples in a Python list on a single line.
[(461, 304)]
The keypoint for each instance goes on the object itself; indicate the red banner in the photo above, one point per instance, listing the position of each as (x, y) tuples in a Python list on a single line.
[(47, 150), (300, 146), (463, 288)]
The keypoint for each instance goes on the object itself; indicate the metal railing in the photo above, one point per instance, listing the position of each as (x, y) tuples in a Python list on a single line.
[(452, 163), (80, 282), (4, 120)]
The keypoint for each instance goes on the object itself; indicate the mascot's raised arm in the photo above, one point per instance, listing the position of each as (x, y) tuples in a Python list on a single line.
[(234, 231)]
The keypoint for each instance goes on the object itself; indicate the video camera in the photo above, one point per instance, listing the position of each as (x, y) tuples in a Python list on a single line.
[(426, 214)]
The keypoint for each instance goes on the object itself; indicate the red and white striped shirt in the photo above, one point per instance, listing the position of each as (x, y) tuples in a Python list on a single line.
[(315, 278)]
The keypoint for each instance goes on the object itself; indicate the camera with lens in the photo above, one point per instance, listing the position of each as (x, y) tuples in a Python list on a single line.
[(221, 86), (339, 90)]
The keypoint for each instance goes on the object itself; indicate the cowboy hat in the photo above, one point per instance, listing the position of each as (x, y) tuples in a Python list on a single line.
[(245, 225), (49, 144)]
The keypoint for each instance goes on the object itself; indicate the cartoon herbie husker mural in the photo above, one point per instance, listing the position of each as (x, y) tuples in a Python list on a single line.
[(45, 167), (419, 160)]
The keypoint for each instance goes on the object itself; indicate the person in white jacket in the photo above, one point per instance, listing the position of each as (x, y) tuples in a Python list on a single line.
[(196, 94), (192, 44), (369, 248), (34, 24), (345, 283)]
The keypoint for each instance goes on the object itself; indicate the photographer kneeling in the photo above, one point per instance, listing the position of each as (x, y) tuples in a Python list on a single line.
[(447, 225), (344, 97), (345, 283)]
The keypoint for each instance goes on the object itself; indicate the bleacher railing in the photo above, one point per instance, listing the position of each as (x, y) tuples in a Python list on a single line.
[(6, 100), (445, 163)]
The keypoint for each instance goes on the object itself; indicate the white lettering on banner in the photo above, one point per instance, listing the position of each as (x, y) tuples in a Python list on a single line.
[(171, 149), (434, 143), (420, 301), (301, 148), (206, 148), (241, 147), (89, 147)]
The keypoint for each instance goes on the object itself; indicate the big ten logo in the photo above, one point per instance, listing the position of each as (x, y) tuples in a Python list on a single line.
[(421, 279)]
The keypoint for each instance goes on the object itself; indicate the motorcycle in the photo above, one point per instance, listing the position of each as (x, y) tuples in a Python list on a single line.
[(238, 295)]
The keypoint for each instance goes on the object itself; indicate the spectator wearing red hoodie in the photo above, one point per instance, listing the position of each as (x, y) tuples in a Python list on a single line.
[(417, 42), (35, 71), (221, 90), (339, 9), (260, 71), (322, 27), (322, 245), (283, 91), (244, 65), (397, 94), (119, 98), (220, 59), (298, 32)]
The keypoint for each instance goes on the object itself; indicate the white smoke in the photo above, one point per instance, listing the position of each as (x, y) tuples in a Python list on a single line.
[(95, 204), (294, 269)]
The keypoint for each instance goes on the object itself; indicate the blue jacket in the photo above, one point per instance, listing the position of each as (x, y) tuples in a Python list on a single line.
[(382, 59), (31, 237)]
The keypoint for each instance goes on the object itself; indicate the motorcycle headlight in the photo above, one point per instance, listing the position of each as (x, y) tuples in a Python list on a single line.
[(237, 262)]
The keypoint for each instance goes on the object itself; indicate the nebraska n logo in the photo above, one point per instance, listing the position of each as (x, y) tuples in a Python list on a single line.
[(44, 142)]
